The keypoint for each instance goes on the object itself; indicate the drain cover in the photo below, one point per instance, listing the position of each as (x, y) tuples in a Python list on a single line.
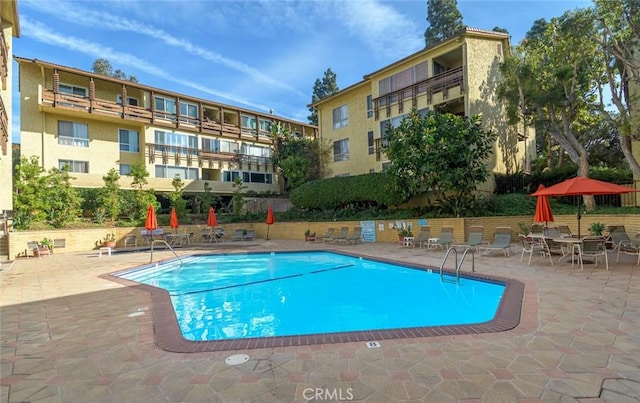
[(237, 359)]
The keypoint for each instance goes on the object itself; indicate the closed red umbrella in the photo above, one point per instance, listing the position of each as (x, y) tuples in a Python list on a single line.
[(173, 221), (152, 222), (581, 185), (543, 208), (270, 219), (212, 220)]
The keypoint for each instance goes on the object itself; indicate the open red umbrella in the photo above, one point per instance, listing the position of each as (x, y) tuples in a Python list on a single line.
[(151, 223), (543, 208), (270, 219), (212, 220), (580, 186), (173, 221)]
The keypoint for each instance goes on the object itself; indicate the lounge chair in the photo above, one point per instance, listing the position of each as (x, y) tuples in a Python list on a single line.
[(341, 235), (533, 245), (631, 247), (130, 240), (446, 238), (218, 234), (60, 243), (249, 235), (328, 236), (238, 235), (353, 238), (422, 240), (474, 240), (618, 235), (206, 235), (501, 241), (565, 232)]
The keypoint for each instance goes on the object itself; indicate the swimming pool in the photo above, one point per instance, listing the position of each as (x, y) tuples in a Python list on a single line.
[(307, 297)]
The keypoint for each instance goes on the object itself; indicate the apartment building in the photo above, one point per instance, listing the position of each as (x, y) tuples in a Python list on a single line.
[(458, 75), (9, 28), (94, 123)]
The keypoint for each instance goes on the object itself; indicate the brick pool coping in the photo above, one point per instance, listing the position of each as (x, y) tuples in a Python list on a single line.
[(169, 337)]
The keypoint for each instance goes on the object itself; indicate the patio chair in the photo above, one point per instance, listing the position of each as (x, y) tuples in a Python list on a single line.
[(341, 235), (618, 235), (218, 234), (206, 235), (328, 236), (595, 247), (130, 241), (238, 235), (353, 238), (565, 232), (422, 240), (552, 232), (446, 238), (501, 241), (474, 240), (60, 243), (532, 245), (537, 229), (630, 248), (249, 235)]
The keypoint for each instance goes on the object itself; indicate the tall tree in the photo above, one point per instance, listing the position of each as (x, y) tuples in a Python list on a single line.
[(618, 39), (444, 20), (322, 89), (443, 154), (103, 67), (556, 68)]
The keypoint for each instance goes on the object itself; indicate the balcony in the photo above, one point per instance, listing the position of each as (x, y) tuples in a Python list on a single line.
[(439, 83), (192, 157), (4, 60), (4, 128)]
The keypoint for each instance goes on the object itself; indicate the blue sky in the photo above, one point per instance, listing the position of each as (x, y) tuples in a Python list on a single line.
[(259, 55)]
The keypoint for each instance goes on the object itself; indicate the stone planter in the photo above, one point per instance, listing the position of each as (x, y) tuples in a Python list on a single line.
[(109, 244)]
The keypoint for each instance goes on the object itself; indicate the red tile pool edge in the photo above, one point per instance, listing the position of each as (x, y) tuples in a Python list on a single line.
[(169, 337)]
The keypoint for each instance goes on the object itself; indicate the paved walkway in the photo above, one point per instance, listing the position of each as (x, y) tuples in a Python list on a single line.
[(70, 336)]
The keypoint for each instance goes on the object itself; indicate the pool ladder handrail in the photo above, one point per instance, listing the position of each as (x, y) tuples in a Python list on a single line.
[(458, 265), (168, 246)]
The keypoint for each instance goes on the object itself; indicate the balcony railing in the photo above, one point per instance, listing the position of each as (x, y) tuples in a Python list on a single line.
[(174, 155), (129, 112), (438, 83), (4, 128), (4, 60)]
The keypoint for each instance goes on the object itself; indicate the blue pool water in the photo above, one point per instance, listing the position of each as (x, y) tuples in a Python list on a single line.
[(218, 297)]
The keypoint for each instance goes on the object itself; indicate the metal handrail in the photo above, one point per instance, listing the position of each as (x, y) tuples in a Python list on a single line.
[(168, 246), (458, 265)]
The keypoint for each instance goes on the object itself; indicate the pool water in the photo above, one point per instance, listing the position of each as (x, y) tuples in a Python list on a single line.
[(219, 297)]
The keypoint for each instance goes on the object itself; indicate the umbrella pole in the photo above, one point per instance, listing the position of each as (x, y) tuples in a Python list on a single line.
[(579, 216), (268, 231)]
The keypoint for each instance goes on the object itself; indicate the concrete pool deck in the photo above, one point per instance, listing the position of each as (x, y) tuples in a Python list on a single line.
[(70, 336)]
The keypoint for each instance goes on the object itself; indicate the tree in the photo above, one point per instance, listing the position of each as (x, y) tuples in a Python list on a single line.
[(177, 200), (298, 160), (444, 20), (63, 201), (30, 193), (618, 39), (551, 75), (103, 67), (109, 197), (439, 153), (322, 89), (144, 197), (237, 200)]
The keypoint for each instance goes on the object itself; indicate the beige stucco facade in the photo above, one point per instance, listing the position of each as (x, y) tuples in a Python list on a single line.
[(459, 75), (78, 117), (9, 28)]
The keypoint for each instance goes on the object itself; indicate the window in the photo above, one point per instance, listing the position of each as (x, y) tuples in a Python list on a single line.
[(129, 140), (168, 171), (341, 150), (130, 101), (385, 166), (211, 145), (248, 122), (176, 142), (125, 169), (265, 126), (73, 90), (369, 106), (229, 146), (73, 134), (403, 79), (75, 166), (247, 177), (340, 117), (166, 107), (370, 141), (188, 109)]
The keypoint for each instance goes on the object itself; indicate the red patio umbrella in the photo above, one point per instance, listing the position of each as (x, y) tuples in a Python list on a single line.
[(212, 220), (151, 222), (173, 221), (270, 219), (580, 186), (543, 208)]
